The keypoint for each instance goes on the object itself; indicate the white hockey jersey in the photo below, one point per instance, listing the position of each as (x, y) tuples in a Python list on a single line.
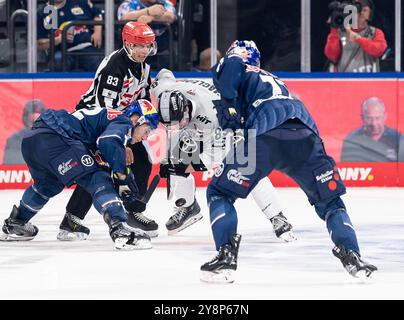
[(203, 125)]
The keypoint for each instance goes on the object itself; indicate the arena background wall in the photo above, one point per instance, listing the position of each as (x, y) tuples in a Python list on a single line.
[(334, 100)]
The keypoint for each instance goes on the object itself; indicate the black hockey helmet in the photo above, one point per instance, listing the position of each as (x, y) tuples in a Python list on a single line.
[(171, 106)]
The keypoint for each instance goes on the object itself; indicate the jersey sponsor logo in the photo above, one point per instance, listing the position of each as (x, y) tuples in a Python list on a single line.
[(87, 160), (203, 119), (188, 145), (324, 177), (219, 170), (15, 176), (77, 11), (112, 113), (235, 176), (109, 93), (66, 166), (356, 174)]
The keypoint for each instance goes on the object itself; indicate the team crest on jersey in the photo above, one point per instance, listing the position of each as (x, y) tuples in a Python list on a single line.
[(235, 176)]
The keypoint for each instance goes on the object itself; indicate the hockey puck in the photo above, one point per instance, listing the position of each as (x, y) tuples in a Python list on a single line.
[(180, 202)]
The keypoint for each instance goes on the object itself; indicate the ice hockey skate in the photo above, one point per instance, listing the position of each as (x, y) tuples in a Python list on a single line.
[(222, 267), (72, 229), (16, 229), (353, 263), (282, 228), (125, 237), (138, 220), (183, 218)]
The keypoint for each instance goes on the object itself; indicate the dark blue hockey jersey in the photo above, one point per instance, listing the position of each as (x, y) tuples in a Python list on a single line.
[(262, 98), (102, 129)]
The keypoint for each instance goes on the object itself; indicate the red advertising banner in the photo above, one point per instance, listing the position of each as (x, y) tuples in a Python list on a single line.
[(336, 104)]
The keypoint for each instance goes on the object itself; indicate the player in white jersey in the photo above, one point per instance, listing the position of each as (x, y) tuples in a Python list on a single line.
[(205, 145)]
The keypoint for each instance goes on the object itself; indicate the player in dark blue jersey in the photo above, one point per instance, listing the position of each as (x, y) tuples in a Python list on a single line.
[(57, 152), (280, 134)]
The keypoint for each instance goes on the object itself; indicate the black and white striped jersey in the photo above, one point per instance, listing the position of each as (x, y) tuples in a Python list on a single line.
[(118, 82)]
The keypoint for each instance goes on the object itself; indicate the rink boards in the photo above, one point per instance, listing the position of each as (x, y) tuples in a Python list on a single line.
[(333, 100)]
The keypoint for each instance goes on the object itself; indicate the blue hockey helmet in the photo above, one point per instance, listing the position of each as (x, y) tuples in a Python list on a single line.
[(145, 109), (246, 50)]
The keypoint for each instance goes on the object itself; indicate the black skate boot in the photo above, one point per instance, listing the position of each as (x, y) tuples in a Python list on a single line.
[(353, 263), (16, 229), (222, 267), (138, 220), (183, 218), (282, 228), (72, 229), (126, 237)]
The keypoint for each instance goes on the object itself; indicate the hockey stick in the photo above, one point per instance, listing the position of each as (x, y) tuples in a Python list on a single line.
[(150, 190), (170, 190)]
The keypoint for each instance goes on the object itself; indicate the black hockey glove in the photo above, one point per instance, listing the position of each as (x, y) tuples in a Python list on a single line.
[(228, 116), (127, 188), (177, 169)]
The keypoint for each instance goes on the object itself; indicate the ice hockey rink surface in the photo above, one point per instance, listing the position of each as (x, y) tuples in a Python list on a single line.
[(46, 268)]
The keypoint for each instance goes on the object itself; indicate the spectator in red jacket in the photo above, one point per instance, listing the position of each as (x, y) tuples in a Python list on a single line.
[(356, 50)]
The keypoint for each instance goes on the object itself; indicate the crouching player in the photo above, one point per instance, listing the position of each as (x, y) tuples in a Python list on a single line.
[(57, 152)]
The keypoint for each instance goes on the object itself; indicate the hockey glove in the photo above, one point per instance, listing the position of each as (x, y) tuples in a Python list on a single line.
[(177, 169), (228, 117), (127, 188)]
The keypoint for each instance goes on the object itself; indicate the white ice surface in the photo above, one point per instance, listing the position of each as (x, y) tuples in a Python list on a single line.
[(46, 268)]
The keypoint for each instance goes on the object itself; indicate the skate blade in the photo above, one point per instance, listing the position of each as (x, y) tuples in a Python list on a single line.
[(9, 237), (221, 276), (152, 234), (121, 244), (365, 275), (288, 236), (64, 235), (186, 224)]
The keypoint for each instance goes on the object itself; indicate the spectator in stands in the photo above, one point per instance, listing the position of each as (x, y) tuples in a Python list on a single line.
[(204, 60), (79, 38), (156, 13), (356, 50), (12, 153), (374, 142)]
